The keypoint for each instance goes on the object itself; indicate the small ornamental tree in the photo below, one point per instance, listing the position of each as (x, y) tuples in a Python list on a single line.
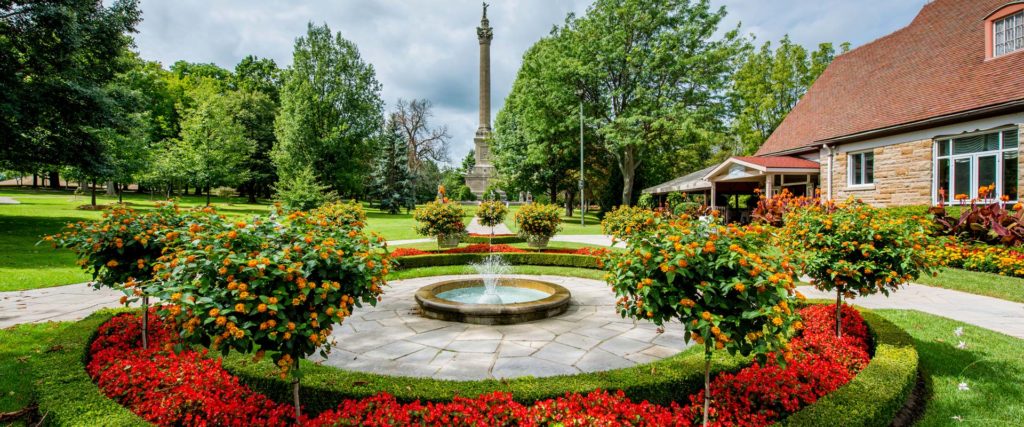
[(856, 250), (120, 248), (440, 219), (729, 291), (538, 222), (626, 221), (272, 284), (348, 215), (491, 213)]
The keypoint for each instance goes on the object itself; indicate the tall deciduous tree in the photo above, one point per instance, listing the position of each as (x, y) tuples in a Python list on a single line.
[(768, 84), (330, 111), (426, 143), (215, 143), (55, 60), (258, 82), (392, 179), (652, 72)]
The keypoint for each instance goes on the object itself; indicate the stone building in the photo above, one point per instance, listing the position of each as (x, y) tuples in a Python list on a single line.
[(484, 172), (929, 112)]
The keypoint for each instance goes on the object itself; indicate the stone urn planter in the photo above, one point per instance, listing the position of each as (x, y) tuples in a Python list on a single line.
[(537, 242), (447, 242)]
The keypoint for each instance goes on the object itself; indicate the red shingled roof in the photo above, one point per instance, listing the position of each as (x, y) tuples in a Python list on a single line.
[(781, 162), (934, 67)]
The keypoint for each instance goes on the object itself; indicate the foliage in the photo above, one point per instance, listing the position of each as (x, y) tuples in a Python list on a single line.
[(120, 249), (345, 215), (538, 221), (857, 250), (301, 191), (627, 221), (330, 111), (439, 219), (992, 223), (270, 284), (391, 181), (56, 60), (645, 201), (491, 213), (214, 142), (980, 257), (768, 84), (772, 210)]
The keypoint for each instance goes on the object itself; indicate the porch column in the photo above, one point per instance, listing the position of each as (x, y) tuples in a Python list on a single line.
[(768, 185), (714, 197)]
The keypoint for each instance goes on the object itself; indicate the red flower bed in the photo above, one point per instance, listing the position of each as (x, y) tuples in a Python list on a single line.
[(489, 235), (187, 388), (502, 248), (400, 252)]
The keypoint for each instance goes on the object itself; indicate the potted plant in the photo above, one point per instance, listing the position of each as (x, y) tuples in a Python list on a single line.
[(491, 213), (440, 220), (538, 222)]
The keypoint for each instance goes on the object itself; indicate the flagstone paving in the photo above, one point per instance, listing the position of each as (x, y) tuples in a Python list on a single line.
[(475, 227), (393, 339)]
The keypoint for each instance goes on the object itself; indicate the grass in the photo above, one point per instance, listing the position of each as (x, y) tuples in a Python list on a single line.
[(992, 366), (988, 284), (20, 345)]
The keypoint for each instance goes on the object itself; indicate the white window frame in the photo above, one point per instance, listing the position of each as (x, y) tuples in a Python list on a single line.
[(973, 193), (863, 170), (999, 35)]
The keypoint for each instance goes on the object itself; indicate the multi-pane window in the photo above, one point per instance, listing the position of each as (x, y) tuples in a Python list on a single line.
[(966, 164), (862, 168), (1008, 34)]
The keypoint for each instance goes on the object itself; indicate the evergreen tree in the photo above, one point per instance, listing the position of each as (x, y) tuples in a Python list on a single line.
[(392, 180)]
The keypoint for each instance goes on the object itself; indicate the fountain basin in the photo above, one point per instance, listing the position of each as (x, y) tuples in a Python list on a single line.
[(537, 300)]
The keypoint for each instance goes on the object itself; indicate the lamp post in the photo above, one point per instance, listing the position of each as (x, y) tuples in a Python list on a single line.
[(579, 94)]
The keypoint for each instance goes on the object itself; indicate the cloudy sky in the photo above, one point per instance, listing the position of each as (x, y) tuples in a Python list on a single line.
[(428, 48)]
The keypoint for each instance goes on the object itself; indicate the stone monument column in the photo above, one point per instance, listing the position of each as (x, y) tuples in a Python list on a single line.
[(483, 173)]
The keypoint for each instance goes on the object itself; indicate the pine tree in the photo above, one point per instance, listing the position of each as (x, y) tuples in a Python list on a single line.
[(392, 180)]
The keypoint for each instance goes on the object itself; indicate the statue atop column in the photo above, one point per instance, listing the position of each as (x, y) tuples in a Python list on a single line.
[(483, 173)]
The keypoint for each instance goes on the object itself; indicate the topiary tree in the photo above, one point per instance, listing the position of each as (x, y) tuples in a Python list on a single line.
[(440, 219), (724, 284), (272, 284), (538, 222), (625, 221), (856, 250), (121, 247), (491, 213)]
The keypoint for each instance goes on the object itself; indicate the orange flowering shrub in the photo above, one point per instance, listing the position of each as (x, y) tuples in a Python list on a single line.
[(119, 249), (626, 221), (491, 213), (347, 215), (855, 249), (439, 219), (722, 282), (538, 221), (270, 285)]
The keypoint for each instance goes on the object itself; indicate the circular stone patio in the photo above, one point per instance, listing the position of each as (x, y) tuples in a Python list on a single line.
[(393, 339)]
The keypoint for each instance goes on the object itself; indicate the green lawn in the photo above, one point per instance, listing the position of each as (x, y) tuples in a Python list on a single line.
[(988, 284), (992, 366)]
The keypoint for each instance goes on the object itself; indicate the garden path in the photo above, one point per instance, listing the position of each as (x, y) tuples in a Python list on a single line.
[(474, 227), (987, 312), (8, 201)]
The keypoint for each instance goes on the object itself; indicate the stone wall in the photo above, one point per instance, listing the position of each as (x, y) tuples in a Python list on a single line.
[(903, 175)]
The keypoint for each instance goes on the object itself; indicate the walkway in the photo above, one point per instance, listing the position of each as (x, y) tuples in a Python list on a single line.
[(987, 312), (70, 302), (393, 339), (8, 201), (474, 227)]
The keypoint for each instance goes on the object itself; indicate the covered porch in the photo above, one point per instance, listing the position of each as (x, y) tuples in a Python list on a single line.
[(733, 186)]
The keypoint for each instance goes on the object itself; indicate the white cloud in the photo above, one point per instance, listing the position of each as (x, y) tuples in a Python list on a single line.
[(428, 48)]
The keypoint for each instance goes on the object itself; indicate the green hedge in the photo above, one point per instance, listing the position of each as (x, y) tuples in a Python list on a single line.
[(323, 387), (878, 392), (498, 240), (529, 258), (65, 392)]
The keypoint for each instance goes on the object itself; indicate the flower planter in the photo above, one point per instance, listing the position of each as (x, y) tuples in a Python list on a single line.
[(447, 242), (537, 242)]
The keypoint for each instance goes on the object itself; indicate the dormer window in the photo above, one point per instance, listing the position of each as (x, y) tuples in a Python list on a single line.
[(1008, 34)]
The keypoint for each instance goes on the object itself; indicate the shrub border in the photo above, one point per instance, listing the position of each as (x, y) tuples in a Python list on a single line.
[(65, 393), (877, 393), (514, 258)]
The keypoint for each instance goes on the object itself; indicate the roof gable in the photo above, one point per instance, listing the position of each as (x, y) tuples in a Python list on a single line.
[(934, 67)]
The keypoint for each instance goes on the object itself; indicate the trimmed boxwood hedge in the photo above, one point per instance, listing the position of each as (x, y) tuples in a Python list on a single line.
[(528, 258), (66, 394), (323, 387), (498, 240), (876, 394)]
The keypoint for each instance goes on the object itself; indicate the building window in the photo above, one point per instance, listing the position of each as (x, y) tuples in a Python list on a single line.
[(1008, 34), (966, 164), (862, 168)]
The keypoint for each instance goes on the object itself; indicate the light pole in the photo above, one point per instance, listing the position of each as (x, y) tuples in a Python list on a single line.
[(579, 94)]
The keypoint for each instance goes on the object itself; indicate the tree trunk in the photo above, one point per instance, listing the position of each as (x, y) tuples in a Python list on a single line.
[(207, 196), (627, 165), (295, 393), (55, 180), (707, 386), (35, 180), (145, 321), (570, 202), (839, 313), (92, 187), (110, 188)]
